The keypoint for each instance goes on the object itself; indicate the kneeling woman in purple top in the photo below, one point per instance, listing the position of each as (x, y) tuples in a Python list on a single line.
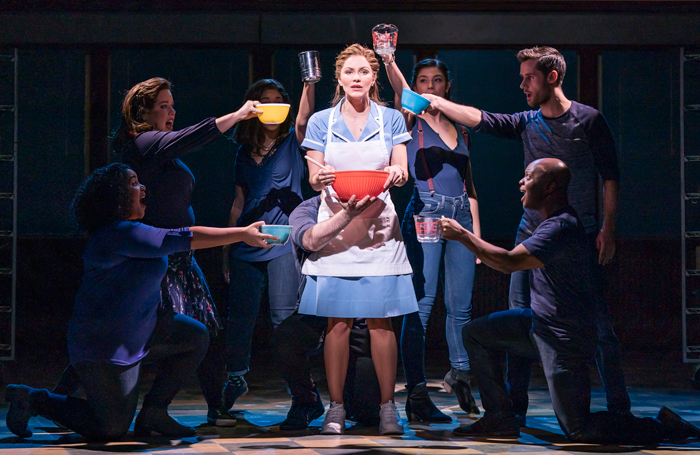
[(115, 323)]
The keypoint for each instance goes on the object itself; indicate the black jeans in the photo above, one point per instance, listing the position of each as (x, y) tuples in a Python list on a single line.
[(300, 336), (565, 365), (608, 357), (178, 344)]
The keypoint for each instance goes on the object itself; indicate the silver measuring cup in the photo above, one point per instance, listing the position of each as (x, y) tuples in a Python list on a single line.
[(310, 66)]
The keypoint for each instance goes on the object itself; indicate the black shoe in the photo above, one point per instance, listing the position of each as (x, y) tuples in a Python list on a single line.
[(504, 427), (20, 410), (458, 381), (220, 417), (678, 427), (156, 420), (300, 415), (419, 407), (235, 388), (522, 419)]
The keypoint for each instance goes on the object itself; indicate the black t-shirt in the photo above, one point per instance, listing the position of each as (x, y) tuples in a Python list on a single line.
[(580, 138), (561, 293)]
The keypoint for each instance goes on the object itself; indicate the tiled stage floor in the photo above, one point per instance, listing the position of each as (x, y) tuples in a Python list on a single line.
[(264, 408)]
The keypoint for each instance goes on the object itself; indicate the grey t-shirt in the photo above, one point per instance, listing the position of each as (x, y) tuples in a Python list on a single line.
[(580, 138), (561, 293)]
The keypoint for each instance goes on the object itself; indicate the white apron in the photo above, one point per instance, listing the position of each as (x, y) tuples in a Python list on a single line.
[(371, 245)]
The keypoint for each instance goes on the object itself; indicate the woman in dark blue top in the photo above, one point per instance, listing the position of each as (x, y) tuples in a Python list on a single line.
[(147, 142), (115, 324), (269, 174), (438, 160)]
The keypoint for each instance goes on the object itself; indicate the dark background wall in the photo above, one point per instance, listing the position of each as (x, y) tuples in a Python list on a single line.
[(212, 56)]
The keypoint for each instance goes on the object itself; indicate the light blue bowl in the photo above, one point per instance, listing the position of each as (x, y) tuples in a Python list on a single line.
[(280, 231), (413, 102)]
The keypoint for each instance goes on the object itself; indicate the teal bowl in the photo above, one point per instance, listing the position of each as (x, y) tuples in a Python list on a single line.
[(413, 102), (277, 230)]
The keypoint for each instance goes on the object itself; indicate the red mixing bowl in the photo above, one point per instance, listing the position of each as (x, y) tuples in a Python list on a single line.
[(359, 183)]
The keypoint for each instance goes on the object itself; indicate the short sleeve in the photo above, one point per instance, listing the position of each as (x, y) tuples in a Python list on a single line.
[(140, 240), (303, 218), (549, 241), (399, 134), (316, 130)]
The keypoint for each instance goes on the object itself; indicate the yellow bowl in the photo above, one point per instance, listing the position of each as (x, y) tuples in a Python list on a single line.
[(273, 113)]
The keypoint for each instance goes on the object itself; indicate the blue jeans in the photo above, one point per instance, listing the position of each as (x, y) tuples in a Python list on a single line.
[(178, 345), (608, 357), (248, 282), (455, 265), (565, 365)]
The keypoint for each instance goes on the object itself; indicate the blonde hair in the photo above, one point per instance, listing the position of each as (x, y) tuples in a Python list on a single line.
[(362, 51)]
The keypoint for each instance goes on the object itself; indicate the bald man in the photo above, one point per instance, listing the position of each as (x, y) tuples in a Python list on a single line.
[(559, 329)]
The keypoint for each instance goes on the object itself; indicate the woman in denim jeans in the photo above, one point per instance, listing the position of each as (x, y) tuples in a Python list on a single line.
[(268, 179), (438, 159)]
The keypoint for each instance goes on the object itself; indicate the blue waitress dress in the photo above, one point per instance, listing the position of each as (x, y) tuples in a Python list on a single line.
[(364, 271)]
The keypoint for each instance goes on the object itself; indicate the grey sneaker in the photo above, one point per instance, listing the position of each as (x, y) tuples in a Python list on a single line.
[(334, 423), (389, 420)]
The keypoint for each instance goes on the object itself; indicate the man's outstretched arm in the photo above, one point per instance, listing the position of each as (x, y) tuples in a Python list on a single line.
[(519, 258)]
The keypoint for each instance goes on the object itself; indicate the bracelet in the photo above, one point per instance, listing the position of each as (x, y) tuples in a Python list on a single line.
[(393, 59)]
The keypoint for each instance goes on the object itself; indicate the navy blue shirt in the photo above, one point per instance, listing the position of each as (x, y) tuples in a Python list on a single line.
[(561, 293), (303, 218), (448, 167), (580, 138), (272, 190), (115, 307), (155, 157)]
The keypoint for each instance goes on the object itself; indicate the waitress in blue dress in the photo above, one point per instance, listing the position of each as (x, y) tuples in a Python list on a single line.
[(364, 271), (438, 160), (268, 177)]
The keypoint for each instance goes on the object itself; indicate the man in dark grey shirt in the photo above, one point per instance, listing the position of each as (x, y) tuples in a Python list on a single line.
[(559, 329), (579, 136)]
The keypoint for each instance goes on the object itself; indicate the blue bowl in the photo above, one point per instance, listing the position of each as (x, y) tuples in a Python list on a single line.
[(413, 102), (280, 231)]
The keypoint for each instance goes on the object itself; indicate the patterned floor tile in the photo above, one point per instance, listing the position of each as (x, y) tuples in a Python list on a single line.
[(260, 413)]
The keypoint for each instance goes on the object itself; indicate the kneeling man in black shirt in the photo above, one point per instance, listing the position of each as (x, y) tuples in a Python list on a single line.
[(559, 329)]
